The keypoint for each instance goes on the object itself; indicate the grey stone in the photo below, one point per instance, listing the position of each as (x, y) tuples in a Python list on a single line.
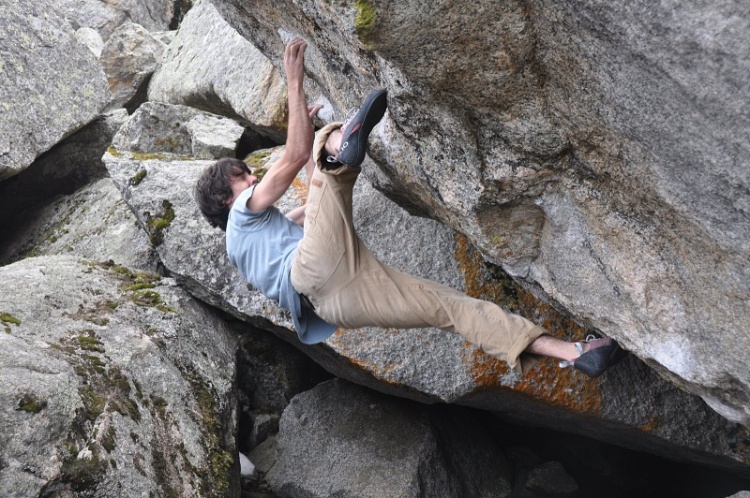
[(91, 39), (105, 16), (64, 169), (594, 150), (741, 494), (551, 478), (209, 66), (426, 364), (94, 224), (264, 425), (110, 387), (129, 58), (165, 37), (213, 136), (50, 84), (165, 130), (378, 446)]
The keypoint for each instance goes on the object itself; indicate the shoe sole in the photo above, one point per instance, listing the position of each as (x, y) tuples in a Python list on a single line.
[(596, 362), (354, 146)]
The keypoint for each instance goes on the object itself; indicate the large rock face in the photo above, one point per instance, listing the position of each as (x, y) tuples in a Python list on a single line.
[(595, 151), (50, 85), (427, 365), (112, 378)]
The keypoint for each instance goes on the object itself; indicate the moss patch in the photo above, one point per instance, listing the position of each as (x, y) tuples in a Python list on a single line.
[(83, 474), (138, 177), (257, 162), (102, 387), (113, 152), (8, 320), (89, 342), (151, 299), (215, 480), (365, 22), (30, 404), (158, 223), (109, 439)]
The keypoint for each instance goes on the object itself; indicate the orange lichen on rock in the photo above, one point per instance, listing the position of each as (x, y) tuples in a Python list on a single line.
[(652, 423), (300, 190), (560, 387)]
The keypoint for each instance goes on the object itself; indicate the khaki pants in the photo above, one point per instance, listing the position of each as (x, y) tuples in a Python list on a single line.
[(350, 288)]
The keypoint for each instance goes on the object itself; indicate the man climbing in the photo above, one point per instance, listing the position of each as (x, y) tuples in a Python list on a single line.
[(323, 274)]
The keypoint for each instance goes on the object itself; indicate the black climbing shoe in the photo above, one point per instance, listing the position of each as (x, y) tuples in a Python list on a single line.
[(356, 130), (602, 353)]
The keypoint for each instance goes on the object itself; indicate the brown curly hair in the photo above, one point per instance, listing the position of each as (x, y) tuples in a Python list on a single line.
[(213, 189)]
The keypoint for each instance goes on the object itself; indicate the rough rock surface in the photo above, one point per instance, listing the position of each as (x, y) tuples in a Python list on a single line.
[(129, 58), (428, 364), (210, 66), (91, 39), (162, 130), (50, 84), (65, 168), (551, 478), (111, 378), (105, 16), (379, 447), (595, 150), (94, 224)]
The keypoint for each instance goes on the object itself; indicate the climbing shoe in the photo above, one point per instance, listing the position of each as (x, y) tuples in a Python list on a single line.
[(601, 354), (357, 129)]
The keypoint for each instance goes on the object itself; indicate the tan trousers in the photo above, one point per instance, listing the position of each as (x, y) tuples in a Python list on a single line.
[(350, 288)]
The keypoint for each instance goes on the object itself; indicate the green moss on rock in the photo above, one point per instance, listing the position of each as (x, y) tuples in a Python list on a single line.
[(151, 299), (216, 481), (158, 223), (83, 474), (364, 23), (89, 342), (7, 319), (30, 404), (109, 439), (138, 177)]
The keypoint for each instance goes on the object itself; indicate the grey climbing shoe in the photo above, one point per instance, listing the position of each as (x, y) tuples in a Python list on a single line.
[(357, 129)]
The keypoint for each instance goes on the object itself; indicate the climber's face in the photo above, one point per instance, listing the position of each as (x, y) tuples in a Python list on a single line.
[(239, 184)]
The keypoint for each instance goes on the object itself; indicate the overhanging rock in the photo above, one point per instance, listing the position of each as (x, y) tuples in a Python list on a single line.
[(630, 406), (597, 151)]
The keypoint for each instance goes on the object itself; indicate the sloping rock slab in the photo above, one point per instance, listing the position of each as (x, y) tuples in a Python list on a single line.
[(378, 447), (630, 406), (113, 382), (596, 150), (93, 224), (50, 85)]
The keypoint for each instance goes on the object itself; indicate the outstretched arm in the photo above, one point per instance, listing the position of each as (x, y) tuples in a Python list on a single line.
[(299, 133)]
